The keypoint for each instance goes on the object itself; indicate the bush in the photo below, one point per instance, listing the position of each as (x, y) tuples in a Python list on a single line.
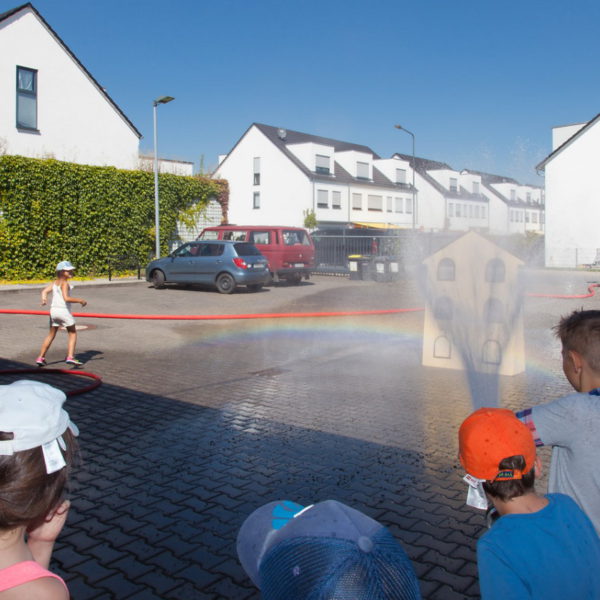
[(52, 211)]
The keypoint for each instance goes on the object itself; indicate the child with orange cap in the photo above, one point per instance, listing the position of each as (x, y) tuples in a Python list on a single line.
[(541, 546)]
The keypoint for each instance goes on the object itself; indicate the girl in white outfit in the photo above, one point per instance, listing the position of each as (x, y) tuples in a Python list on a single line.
[(60, 312)]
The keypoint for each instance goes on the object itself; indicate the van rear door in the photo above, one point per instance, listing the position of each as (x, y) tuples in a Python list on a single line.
[(298, 248)]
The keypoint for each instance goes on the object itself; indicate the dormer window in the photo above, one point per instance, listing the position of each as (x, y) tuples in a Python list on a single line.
[(362, 170), (400, 175), (513, 195), (476, 187), (322, 164), (453, 184)]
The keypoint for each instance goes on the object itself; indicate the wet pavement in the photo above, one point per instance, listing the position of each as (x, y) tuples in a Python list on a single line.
[(197, 423)]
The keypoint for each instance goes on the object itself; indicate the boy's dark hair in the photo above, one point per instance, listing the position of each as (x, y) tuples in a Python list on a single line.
[(27, 492), (580, 331), (513, 488)]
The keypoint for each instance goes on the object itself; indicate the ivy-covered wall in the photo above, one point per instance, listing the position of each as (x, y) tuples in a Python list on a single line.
[(52, 211)]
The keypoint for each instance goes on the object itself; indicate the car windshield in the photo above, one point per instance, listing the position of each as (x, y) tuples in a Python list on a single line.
[(246, 249)]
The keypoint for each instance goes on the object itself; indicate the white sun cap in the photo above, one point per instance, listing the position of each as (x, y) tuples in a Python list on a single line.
[(33, 413)]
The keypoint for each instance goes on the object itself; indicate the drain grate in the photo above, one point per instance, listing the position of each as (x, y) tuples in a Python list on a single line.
[(273, 372)]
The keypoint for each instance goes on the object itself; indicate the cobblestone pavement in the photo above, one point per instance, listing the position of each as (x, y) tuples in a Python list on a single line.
[(197, 423)]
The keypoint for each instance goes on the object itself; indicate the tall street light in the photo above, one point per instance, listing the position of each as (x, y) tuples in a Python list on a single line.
[(155, 103), (414, 190)]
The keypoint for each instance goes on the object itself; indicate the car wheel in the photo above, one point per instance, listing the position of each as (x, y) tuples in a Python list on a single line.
[(158, 279), (296, 279), (225, 283), (254, 287)]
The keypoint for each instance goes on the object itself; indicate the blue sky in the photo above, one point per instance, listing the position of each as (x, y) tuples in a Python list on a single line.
[(479, 83)]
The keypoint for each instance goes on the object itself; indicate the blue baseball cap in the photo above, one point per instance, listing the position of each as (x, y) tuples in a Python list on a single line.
[(65, 265), (323, 551)]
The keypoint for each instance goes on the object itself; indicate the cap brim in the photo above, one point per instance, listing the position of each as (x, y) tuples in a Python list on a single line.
[(256, 534)]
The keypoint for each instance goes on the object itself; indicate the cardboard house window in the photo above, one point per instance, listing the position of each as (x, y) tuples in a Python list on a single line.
[(495, 271), (492, 353), (446, 270), (441, 347), (443, 309)]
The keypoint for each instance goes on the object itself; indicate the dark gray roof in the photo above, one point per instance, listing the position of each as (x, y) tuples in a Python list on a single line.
[(422, 165), (30, 6), (282, 138), (542, 165), (488, 179), (297, 137)]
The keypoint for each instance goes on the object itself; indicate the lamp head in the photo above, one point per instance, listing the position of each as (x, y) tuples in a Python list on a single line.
[(398, 127), (163, 100)]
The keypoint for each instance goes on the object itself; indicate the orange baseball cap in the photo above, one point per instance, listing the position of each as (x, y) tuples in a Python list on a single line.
[(490, 435)]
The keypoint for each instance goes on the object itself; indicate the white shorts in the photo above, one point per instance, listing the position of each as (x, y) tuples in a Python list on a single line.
[(61, 317)]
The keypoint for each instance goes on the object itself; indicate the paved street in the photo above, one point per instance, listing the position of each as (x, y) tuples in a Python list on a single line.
[(199, 422)]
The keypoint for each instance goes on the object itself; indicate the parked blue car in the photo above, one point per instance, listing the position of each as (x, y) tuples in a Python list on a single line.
[(220, 263)]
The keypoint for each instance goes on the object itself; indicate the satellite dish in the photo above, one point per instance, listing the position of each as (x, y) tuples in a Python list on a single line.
[(281, 133)]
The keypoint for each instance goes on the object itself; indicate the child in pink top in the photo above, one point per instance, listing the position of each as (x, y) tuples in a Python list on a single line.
[(37, 450)]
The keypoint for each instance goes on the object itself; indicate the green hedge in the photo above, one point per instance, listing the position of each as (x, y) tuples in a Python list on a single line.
[(52, 211)]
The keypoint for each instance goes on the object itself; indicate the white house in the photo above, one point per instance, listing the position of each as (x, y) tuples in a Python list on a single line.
[(513, 207), (52, 107), (275, 175), (572, 193), (448, 199)]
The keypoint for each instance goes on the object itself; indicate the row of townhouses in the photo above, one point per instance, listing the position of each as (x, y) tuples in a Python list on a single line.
[(276, 175), (52, 106)]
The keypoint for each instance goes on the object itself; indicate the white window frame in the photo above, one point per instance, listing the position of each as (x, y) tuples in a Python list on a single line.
[(322, 164), (256, 170), (375, 202), (27, 96), (322, 199), (362, 170), (336, 200)]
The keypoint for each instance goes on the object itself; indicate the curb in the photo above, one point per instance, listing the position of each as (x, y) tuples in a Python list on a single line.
[(23, 287)]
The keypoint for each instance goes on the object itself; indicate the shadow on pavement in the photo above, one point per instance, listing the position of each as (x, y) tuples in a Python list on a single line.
[(165, 486)]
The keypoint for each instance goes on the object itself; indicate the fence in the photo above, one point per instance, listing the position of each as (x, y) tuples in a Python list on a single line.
[(412, 247), (332, 251), (573, 258)]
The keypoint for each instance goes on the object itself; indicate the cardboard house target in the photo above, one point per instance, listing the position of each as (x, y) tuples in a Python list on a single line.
[(473, 315)]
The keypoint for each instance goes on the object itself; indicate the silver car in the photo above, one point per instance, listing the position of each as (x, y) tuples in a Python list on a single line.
[(220, 263)]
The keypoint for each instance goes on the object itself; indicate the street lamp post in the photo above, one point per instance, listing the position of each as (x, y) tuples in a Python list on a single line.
[(414, 189), (155, 103)]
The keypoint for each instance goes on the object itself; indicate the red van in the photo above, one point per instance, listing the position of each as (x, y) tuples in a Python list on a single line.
[(289, 250)]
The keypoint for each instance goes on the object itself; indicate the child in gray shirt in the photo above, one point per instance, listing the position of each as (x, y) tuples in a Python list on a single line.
[(571, 424)]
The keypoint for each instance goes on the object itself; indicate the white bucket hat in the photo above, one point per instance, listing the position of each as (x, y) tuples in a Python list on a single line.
[(33, 413)]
